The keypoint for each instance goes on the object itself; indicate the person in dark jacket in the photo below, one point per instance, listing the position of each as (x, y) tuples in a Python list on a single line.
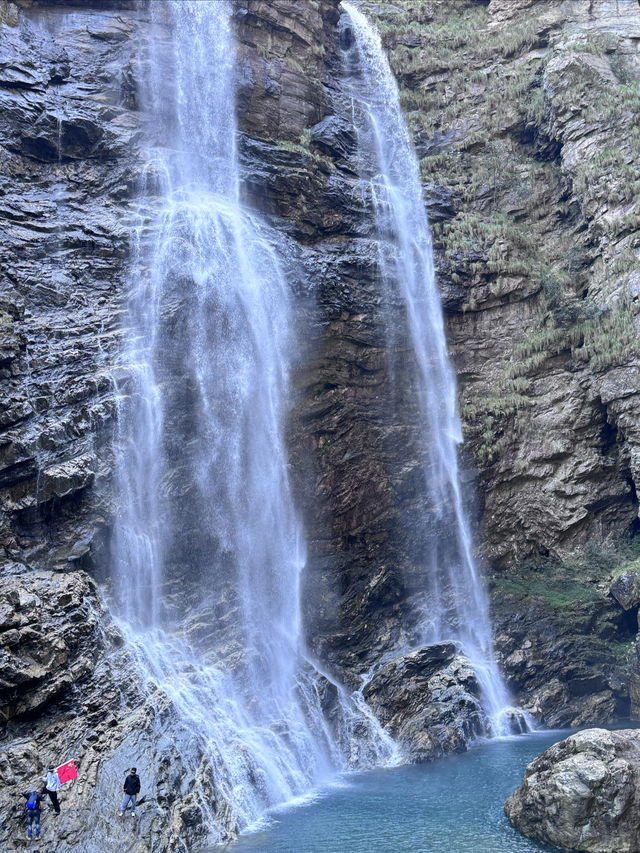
[(32, 806), (131, 790)]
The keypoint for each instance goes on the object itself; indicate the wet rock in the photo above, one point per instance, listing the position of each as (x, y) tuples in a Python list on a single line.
[(334, 136), (583, 793), (626, 589), (563, 645), (282, 57), (428, 700), (70, 689), (515, 721)]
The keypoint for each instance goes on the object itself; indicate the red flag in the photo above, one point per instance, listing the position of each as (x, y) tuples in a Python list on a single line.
[(67, 772)]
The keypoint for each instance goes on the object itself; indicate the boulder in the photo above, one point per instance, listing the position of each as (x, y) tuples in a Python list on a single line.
[(626, 590), (428, 701), (583, 793)]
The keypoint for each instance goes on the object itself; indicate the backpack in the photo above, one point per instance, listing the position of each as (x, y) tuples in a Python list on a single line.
[(32, 802)]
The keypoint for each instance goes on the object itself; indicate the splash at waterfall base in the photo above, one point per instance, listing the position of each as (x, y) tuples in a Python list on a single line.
[(212, 312), (212, 330)]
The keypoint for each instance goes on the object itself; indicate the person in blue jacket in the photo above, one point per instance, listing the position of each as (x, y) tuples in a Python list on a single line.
[(32, 806)]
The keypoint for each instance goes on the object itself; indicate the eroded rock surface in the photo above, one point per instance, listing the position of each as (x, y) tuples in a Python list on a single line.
[(49, 636), (583, 793), (68, 138), (428, 701)]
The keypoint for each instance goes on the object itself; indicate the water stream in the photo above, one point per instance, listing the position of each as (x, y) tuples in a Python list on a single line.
[(454, 602)]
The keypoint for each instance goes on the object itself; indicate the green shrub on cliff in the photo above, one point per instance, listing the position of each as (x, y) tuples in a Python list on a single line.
[(493, 244), (556, 589), (603, 336), (610, 338)]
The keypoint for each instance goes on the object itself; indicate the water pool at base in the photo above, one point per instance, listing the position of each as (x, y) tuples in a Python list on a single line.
[(451, 806)]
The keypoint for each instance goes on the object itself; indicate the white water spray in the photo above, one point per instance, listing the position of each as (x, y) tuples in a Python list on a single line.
[(455, 602)]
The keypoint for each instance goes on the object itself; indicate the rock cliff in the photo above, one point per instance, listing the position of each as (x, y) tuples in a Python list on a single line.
[(528, 152), (527, 156)]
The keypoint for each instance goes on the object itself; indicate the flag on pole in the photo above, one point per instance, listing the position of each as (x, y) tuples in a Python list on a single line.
[(67, 772)]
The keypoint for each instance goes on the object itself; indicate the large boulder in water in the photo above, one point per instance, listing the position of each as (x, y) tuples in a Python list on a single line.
[(583, 793), (428, 701)]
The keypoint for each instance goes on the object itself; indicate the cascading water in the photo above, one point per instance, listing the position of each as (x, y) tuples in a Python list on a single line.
[(455, 602), (207, 546)]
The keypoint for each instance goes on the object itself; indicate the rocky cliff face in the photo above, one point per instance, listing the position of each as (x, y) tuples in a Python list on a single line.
[(69, 146), (527, 154), (528, 150)]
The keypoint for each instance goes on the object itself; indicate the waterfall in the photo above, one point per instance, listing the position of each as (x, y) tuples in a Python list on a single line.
[(455, 604), (207, 547)]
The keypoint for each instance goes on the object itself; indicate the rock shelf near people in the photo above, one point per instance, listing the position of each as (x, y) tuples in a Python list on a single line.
[(583, 793)]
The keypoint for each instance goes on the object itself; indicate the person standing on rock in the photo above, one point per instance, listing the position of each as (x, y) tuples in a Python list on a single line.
[(52, 783), (131, 790), (33, 806)]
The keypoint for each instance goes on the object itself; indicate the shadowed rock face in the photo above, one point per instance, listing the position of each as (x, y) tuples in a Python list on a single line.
[(68, 152), (564, 646), (582, 793)]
